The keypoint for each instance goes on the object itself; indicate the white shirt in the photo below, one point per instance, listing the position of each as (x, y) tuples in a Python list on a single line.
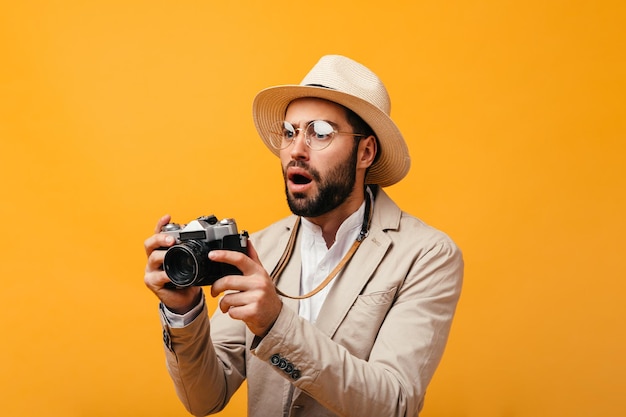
[(318, 261)]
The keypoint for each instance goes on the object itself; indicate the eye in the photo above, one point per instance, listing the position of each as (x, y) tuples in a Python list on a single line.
[(321, 130), (288, 131)]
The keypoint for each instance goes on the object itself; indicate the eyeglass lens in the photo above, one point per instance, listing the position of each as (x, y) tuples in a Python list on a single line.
[(317, 134)]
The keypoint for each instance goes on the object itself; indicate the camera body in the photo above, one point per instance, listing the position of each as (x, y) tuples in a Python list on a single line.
[(187, 262)]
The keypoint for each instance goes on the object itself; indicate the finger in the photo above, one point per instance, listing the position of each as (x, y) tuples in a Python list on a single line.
[(159, 240), (238, 259), (252, 253), (234, 283), (242, 312), (155, 280), (233, 300), (224, 305), (162, 222), (155, 261)]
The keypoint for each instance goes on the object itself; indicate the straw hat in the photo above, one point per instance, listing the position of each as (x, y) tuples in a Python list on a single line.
[(346, 82)]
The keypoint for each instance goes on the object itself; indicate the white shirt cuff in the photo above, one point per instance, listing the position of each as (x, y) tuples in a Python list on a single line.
[(182, 320)]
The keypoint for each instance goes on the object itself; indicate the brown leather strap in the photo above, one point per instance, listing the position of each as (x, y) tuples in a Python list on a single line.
[(329, 278), (282, 262), (284, 259)]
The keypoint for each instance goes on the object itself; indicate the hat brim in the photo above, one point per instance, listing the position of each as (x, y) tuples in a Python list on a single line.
[(393, 162)]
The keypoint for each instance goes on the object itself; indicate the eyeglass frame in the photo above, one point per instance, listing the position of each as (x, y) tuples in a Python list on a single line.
[(307, 138)]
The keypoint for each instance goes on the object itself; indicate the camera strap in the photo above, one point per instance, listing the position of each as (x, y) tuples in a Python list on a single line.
[(284, 259)]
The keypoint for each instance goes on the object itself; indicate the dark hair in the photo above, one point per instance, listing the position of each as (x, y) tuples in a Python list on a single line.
[(361, 127), (358, 124)]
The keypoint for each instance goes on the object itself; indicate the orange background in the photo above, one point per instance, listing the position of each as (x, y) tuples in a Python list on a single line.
[(113, 113)]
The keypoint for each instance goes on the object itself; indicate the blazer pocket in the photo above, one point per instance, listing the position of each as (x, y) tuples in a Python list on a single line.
[(375, 298), (360, 326)]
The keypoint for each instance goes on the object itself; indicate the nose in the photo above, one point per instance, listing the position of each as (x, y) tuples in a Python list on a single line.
[(299, 148)]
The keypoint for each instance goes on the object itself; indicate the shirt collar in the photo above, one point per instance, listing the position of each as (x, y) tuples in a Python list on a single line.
[(348, 230)]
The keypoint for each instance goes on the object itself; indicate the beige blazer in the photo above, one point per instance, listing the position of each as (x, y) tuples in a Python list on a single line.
[(373, 350)]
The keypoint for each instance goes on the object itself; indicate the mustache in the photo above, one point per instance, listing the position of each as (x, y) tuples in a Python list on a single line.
[(298, 164)]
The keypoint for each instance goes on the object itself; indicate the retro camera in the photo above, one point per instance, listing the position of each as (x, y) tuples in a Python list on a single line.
[(187, 263)]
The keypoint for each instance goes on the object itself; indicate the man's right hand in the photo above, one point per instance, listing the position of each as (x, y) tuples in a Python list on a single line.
[(178, 301)]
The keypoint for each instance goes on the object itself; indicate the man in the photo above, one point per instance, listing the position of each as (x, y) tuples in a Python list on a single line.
[(356, 313)]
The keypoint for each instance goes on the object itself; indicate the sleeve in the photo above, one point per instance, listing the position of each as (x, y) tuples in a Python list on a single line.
[(405, 351), (181, 320), (205, 377)]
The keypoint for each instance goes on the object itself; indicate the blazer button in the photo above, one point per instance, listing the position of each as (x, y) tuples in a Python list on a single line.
[(275, 359), (282, 364), (295, 374), (289, 368)]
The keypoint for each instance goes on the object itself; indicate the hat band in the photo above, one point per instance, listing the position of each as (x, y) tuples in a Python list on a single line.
[(318, 85)]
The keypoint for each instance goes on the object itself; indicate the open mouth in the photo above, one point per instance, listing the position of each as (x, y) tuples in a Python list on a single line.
[(299, 175), (299, 179)]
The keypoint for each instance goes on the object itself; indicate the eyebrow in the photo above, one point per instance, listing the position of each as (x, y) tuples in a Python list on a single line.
[(333, 124)]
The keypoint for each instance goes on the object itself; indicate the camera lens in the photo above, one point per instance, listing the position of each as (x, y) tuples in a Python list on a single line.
[(183, 263)]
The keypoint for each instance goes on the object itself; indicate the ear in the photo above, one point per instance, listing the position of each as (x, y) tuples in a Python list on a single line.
[(368, 148)]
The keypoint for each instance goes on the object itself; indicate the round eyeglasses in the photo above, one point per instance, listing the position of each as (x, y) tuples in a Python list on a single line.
[(318, 134)]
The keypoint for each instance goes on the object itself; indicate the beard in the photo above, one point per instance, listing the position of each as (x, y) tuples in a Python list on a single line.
[(333, 189)]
